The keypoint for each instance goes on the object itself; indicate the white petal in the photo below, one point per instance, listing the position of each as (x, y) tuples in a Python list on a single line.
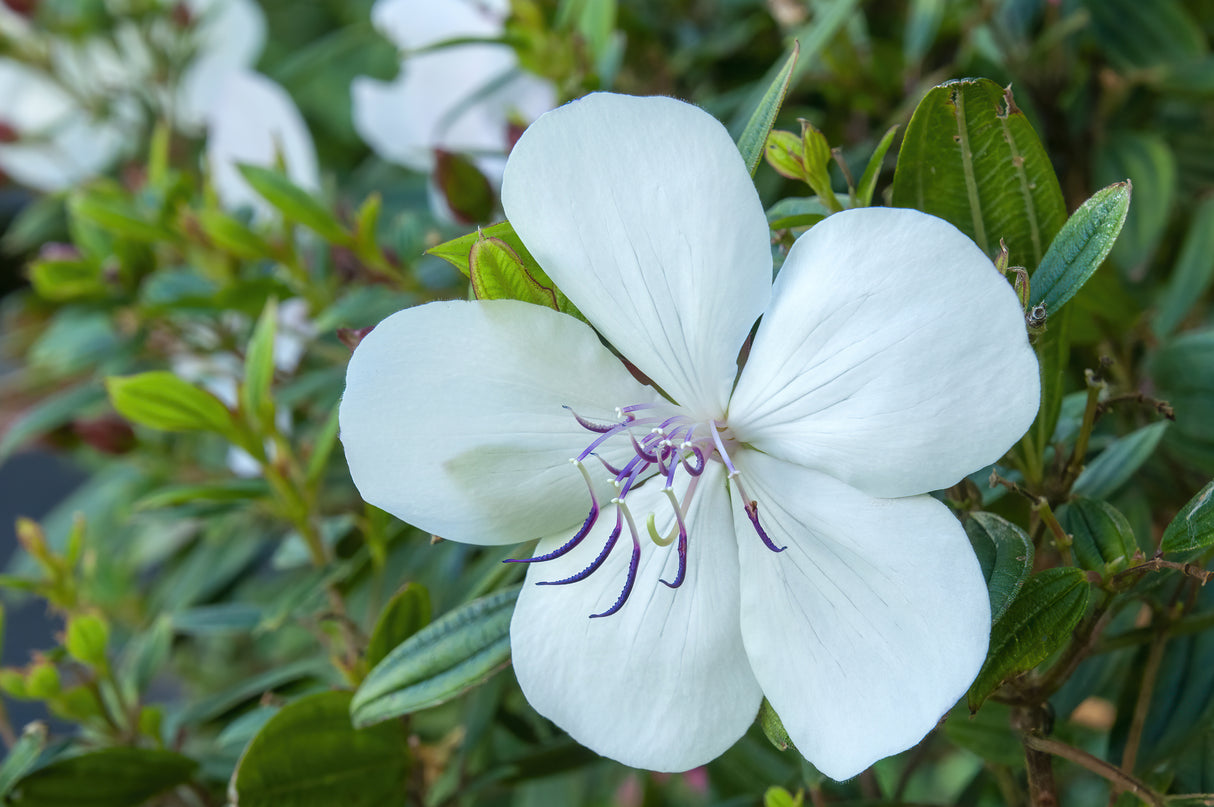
[(894, 356), (869, 626), (643, 212), (453, 418), (255, 123), (62, 144), (663, 683), (229, 38), (416, 24)]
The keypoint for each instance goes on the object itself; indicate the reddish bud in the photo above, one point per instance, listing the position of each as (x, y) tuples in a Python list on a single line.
[(8, 134), (23, 7), (108, 434), (353, 337)]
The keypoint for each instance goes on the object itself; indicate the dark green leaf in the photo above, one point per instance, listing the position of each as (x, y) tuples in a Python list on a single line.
[(1038, 623), (229, 490), (1005, 553), (457, 251), (226, 617), (113, 777), (986, 733), (22, 756), (1191, 276), (308, 755), (1143, 35), (971, 157), (1103, 539), (1193, 526), (763, 117), (404, 615), (1080, 247), (1114, 466), (296, 205), (1148, 162), (439, 662)]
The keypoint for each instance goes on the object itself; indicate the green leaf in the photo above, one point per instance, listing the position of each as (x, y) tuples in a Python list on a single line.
[(87, 638), (784, 153), (405, 614), (255, 400), (229, 234), (457, 251), (1114, 466), (1038, 623), (1191, 276), (1005, 553), (59, 279), (114, 213), (440, 661), (1193, 526), (163, 401), (779, 797), (295, 204), (1144, 35), (22, 756), (308, 755), (773, 727), (1080, 247), (986, 733), (1103, 539), (49, 414), (498, 273), (1148, 162), (872, 172), (763, 117), (228, 490), (113, 777), (971, 157)]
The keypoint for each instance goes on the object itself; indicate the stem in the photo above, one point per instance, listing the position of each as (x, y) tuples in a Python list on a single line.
[(1096, 385), (1141, 706), (1094, 764), (1061, 540)]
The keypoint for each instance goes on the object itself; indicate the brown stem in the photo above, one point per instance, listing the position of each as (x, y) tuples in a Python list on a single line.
[(1061, 540), (1147, 688), (1031, 720), (1159, 564), (1094, 764)]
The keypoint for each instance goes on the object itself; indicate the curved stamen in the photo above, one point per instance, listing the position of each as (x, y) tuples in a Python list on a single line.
[(577, 536), (633, 563), (682, 528), (601, 428), (652, 527), (594, 564), (752, 511), (699, 455), (641, 451)]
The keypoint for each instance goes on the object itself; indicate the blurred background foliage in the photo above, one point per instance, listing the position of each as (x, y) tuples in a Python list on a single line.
[(218, 588)]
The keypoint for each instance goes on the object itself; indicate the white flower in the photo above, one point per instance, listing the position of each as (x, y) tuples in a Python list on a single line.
[(76, 123), (459, 98), (805, 564)]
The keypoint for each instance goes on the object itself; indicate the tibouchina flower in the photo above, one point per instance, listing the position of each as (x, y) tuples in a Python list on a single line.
[(459, 98), (744, 534)]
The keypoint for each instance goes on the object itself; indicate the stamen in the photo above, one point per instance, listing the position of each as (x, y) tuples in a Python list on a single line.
[(577, 536), (682, 530), (633, 563), (652, 527), (601, 428), (752, 510), (594, 564)]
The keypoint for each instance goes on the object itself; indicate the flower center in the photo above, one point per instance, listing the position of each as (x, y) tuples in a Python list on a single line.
[(664, 446)]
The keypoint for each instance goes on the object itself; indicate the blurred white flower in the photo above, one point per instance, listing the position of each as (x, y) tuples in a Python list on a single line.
[(75, 123), (464, 98)]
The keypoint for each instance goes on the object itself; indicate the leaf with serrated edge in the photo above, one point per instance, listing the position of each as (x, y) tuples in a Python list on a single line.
[(1005, 553), (1193, 527), (1038, 623), (1080, 247)]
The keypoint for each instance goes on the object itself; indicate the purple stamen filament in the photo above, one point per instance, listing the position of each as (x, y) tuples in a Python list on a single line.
[(668, 444)]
